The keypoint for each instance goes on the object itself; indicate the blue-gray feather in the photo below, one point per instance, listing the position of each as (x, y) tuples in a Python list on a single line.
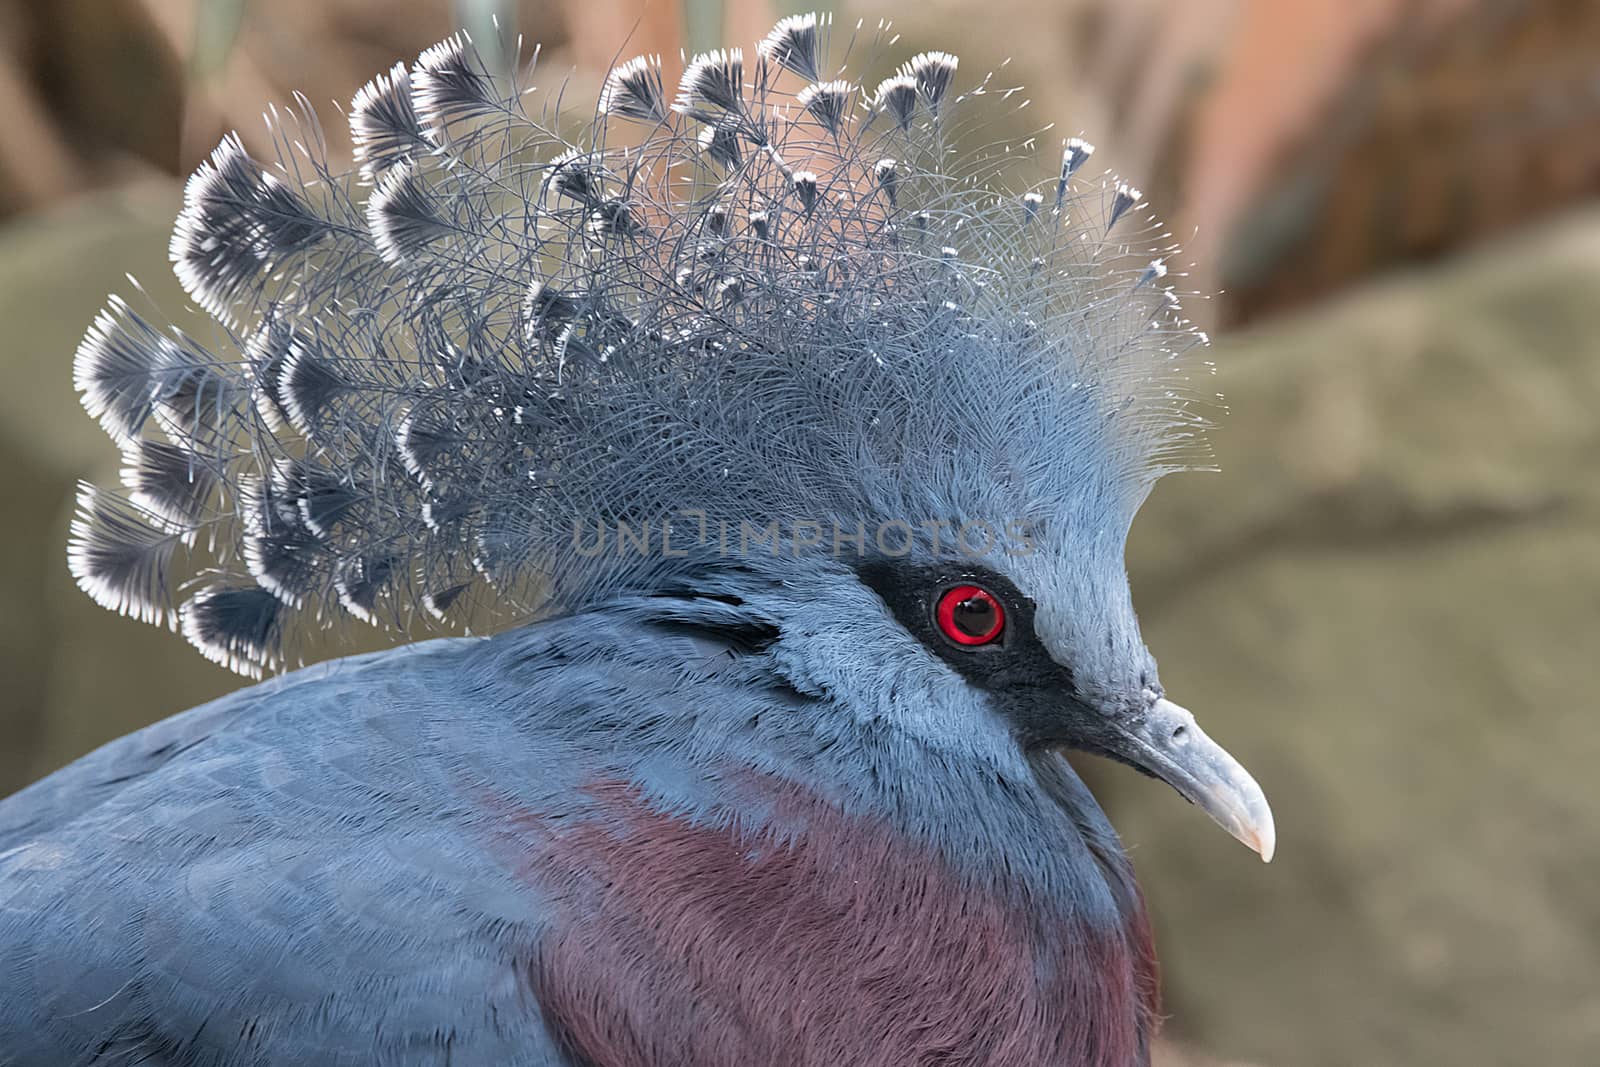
[(329, 867), (498, 332)]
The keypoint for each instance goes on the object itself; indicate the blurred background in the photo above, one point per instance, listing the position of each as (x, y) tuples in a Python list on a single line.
[(1388, 602)]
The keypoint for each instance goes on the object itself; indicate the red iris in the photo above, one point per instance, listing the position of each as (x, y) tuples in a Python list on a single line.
[(970, 615)]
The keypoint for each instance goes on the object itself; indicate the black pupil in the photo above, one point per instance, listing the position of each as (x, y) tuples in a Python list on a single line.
[(974, 616)]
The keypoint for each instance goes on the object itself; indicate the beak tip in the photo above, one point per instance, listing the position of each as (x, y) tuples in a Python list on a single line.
[(1263, 836)]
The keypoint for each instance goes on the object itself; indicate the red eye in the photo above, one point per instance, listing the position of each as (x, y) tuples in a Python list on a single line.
[(969, 615)]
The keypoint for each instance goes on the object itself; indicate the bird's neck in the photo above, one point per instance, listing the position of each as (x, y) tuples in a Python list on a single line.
[(950, 777), (848, 940), (913, 895)]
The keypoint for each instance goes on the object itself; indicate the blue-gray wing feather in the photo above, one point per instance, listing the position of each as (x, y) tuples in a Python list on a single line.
[(292, 874)]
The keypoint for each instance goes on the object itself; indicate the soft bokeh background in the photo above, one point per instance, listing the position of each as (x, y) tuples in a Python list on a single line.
[(1387, 604)]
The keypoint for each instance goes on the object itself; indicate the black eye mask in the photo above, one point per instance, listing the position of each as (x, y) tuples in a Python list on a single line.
[(1029, 687)]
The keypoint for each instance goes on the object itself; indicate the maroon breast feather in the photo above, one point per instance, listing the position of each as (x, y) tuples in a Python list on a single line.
[(839, 943)]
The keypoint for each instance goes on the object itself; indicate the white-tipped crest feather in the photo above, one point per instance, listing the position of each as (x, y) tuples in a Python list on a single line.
[(493, 329)]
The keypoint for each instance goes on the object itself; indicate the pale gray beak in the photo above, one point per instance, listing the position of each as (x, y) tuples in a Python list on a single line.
[(1170, 745)]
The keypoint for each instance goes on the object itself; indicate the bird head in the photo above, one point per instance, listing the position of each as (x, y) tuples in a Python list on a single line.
[(772, 339), (967, 571), (1050, 647)]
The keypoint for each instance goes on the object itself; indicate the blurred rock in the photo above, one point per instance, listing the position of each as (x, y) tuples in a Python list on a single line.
[(1386, 606), (1167, 1054), (1306, 145), (94, 89), (1460, 118), (114, 82)]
